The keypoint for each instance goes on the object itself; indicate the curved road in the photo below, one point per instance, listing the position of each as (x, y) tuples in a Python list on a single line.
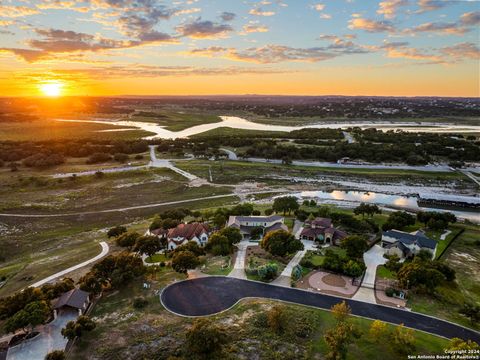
[(210, 295), (105, 249)]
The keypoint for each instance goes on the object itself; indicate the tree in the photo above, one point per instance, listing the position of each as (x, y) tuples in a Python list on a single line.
[(268, 271), (472, 311), (219, 245), (355, 245), (219, 220), (183, 261), (116, 231), (148, 245), (232, 233), (90, 283), (398, 220), (341, 311), (76, 328), (52, 291), (33, 314), (204, 338), (369, 209), (378, 331), (277, 319), (280, 242), (338, 339), (457, 344), (256, 233), (191, 246), (285, 204), (127, 239), (403, 340), (55, 355), (268, 211), (353, 268)]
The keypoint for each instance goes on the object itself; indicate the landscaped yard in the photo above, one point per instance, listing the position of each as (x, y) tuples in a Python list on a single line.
[(156, 258), (217, 265), (383, 272), (317, 257), (256, 257)]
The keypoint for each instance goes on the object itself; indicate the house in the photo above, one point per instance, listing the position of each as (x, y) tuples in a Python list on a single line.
[(75, 299), (183, 233), (405, 244), (247, 223), (322, 230)]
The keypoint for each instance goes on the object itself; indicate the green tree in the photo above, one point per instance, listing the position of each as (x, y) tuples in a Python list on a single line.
[(55, 355), (353, 268), (183, 261), (116, 231), (280, 243), (268, 271), (403, 340), (285, 204), (148, 245), (219, 245), (277, 319), (33, 314), (127, 240), (378, 331), (457, 344), (472, 311), (204, 338), (355, 245), (76, 328), (233, 234), (256, 233)]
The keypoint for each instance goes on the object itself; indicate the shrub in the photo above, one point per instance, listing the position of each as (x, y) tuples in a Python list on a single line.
[(98, 158), (120, 157), (268, 271), (139, 302)]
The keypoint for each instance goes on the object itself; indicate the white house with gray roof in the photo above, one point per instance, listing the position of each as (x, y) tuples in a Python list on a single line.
[(247, 223), (405, 244)]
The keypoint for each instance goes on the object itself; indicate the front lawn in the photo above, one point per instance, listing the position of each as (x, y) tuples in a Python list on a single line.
[(157, 258), (256, 257), (218, 265), (383, 272)]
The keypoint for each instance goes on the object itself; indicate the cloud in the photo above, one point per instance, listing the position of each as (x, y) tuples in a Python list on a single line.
[(470, 18), (228, 16), (431, 5), (10, 11), (462, 51), (199, 29), (269, 54), (55, 41), (319, 7), (260, 12), (462, 26), (389, 8), (372, 26), (252, 27), (148, 71), (62, 5)]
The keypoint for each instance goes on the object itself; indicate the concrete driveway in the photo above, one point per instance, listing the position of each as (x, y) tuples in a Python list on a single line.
[(239, 267), (48, 340), (372, 258)]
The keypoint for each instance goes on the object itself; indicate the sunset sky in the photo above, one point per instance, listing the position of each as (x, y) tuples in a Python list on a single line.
[(147, 47)]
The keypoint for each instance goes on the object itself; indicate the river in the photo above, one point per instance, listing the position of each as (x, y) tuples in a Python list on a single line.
[(340, 197), (235, 122)]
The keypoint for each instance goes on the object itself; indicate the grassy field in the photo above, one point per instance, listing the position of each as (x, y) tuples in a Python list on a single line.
[(156, 258), (232, 172), (464, 257), (42, 130), (226, 131), (177, 120), (152, 332)]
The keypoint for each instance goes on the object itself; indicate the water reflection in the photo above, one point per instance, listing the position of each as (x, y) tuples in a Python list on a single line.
[(396, 201)]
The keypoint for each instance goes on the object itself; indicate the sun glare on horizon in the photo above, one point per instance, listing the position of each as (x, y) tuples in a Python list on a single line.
[(51, 89)]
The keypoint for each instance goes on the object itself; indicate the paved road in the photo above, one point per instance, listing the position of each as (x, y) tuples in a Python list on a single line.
[(210, 295), (105, 249), (230, 153), (165, 163)]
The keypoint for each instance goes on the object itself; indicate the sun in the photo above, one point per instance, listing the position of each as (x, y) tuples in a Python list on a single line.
[(52, 88)]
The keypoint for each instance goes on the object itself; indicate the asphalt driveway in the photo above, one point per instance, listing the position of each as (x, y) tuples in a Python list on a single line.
[(210, 295)]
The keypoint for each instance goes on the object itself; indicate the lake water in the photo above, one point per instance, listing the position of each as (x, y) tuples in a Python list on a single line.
[(235, 122), (395, 201)]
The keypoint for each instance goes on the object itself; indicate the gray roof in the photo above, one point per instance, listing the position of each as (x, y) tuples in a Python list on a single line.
[(259, 218), (277, 226), (75, 298), (408, 239)]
